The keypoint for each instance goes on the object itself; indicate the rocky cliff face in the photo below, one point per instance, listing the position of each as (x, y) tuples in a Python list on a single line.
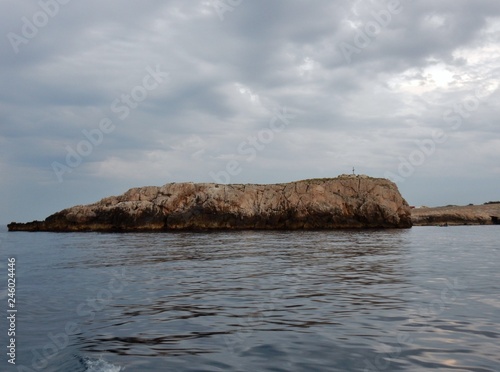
[(342, 202)]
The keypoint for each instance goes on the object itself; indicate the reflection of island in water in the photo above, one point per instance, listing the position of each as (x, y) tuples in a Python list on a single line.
[(323, 282), (486, 214)]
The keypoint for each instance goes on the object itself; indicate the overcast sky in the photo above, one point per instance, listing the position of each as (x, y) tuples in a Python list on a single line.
[(101, 96)]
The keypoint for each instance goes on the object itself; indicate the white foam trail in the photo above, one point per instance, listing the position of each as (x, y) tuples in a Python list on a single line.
[(100, 365)]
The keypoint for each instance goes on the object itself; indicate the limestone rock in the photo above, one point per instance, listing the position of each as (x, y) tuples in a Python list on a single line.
[(347, 201), (488, 214)]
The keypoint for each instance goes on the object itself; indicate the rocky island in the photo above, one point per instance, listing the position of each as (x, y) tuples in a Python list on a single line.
[(348, 201), (486, 214)]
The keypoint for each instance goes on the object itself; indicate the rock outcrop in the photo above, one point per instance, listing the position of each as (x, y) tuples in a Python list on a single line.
[(488, 214), (347, 201)]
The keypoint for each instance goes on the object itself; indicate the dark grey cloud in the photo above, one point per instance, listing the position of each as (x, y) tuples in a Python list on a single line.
[(430, 66)]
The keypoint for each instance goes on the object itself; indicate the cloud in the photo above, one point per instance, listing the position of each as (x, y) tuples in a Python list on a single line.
[(226, 80)]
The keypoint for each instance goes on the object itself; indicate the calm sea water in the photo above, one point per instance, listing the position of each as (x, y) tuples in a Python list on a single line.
[(393, 300)]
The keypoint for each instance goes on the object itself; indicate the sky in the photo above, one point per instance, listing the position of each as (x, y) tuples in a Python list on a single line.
[(99, 97)]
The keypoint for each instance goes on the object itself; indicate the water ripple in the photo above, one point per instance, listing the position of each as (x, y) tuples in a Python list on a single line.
[(387, 300)]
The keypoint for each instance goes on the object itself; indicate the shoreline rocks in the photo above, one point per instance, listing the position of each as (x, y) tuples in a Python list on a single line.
[(348, 201), (486, 214)]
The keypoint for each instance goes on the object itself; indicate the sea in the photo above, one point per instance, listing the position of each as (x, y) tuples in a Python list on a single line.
[(426, 298)]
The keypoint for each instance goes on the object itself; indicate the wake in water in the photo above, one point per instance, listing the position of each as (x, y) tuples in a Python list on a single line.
[(97, 365)]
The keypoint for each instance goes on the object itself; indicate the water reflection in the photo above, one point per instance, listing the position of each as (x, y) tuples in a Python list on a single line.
[(291, 301), (211, 290)]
